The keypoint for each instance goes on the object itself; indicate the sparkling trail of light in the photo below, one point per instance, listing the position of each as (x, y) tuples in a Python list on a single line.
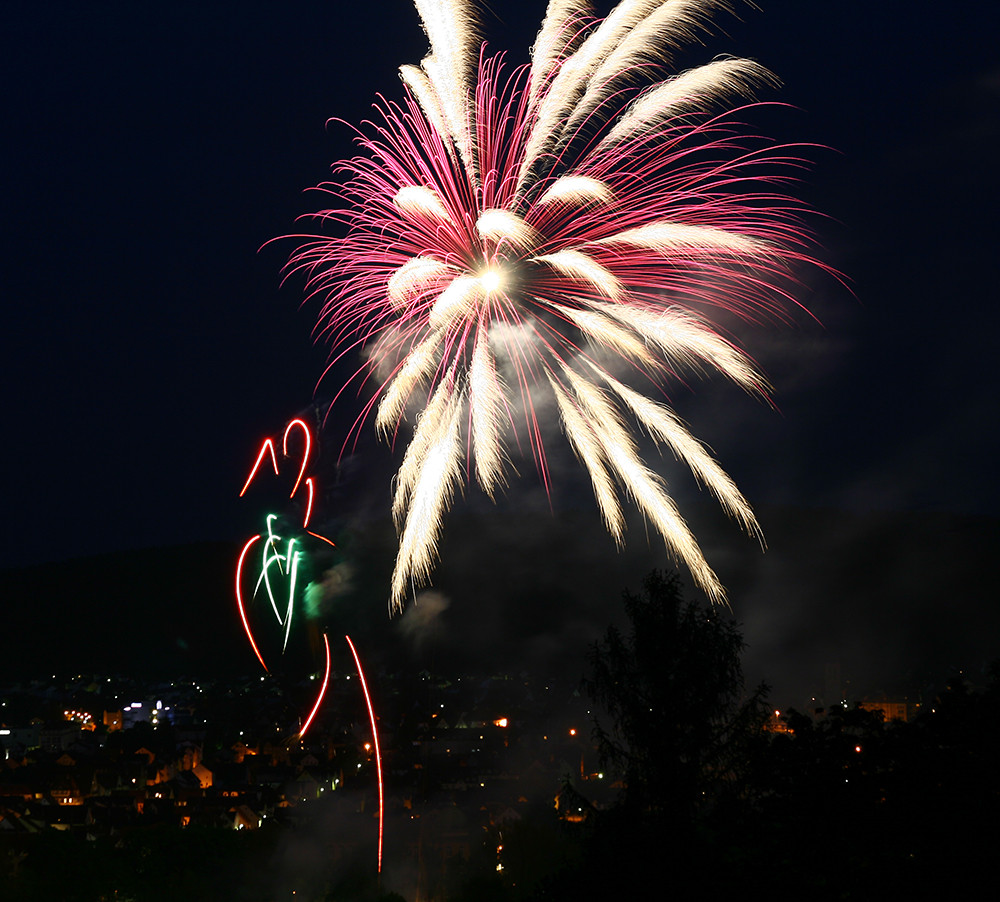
[(559, 229), (322, 690), (305, 454), (293, 567), (316, 535), (270, 556), (267, 446), (378, 754), (285, 554), (309, 504), (239, 601)]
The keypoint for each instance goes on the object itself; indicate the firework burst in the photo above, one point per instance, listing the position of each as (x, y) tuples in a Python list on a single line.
[(280, 558), (563, 228)]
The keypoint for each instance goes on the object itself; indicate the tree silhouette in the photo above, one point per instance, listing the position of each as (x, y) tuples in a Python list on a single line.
[(676, 724)]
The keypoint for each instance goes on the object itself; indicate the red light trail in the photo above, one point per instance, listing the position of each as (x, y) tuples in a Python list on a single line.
[(322, 690), (378, 754), (282, 553)]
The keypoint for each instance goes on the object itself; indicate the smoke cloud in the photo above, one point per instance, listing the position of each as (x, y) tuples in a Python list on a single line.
[(423, 621), (336, 583)]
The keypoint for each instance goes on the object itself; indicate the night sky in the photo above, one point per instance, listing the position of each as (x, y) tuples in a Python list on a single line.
[(151, 151)]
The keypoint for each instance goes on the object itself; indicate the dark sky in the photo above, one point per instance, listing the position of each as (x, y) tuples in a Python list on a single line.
[(150, 151)]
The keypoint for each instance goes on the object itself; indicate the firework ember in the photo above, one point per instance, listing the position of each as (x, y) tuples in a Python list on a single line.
[(281, 555), (378, 754), (559, 230)]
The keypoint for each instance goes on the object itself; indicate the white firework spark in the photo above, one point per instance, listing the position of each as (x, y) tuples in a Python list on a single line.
[(537, 224)]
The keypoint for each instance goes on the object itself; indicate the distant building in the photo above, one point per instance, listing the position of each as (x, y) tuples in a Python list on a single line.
[(137, 712), (19, 738), (572, 806), (58, 738), (891, 710), (113, 720)]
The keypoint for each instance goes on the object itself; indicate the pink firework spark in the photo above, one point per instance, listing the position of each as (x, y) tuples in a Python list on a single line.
[(565, 229)]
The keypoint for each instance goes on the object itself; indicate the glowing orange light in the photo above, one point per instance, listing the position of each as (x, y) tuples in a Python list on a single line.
[(572, 732), (316, 535), (500, 722)]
